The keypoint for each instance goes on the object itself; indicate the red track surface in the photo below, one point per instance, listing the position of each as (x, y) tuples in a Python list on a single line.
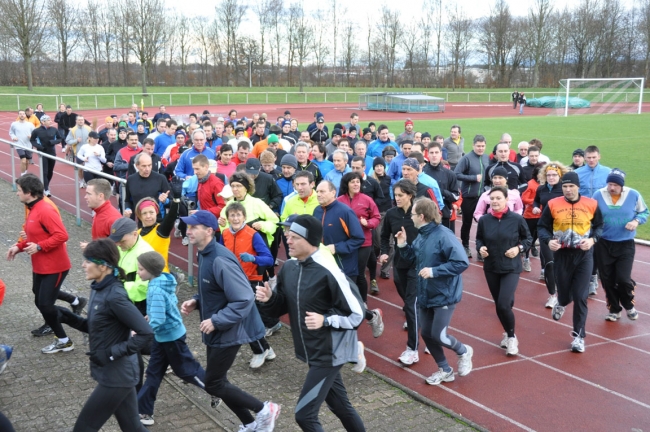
[(546, 387)]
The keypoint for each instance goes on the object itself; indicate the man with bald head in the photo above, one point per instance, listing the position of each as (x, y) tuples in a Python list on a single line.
[(145, 183)]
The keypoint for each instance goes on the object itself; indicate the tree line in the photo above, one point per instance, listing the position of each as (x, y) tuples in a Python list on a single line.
[(273, 43)]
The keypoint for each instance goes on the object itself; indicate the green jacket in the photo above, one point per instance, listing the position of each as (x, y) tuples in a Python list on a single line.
[(135, 287), (295, 205), (256, 211)]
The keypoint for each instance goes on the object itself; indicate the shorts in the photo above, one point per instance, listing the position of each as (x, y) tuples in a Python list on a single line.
[(24, 153)]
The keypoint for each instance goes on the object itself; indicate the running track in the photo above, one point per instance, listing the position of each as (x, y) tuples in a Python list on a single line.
[(546, 387)]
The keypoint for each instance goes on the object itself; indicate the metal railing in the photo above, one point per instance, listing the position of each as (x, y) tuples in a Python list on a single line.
[(77, 168), (123, 100)]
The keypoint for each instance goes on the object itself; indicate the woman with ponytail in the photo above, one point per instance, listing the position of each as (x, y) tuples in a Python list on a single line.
[(112, 350)]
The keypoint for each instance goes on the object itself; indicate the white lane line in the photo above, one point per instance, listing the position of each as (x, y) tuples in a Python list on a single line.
[(455, 393)]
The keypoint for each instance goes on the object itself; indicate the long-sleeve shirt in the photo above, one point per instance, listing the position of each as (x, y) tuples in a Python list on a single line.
[(628, 207), (95, 154), (483, 205), (22, 132)]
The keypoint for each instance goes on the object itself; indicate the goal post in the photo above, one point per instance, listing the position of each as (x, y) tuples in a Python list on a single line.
[(601, 95)]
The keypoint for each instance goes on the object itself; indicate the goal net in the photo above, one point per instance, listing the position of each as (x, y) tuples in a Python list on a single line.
[(599, 96)]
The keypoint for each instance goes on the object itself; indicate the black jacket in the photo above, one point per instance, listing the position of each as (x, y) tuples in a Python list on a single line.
[(544, 195), (312, 168), (371, 187), (448, 184), (314, 286), (516, 178), (111, 318), (138, 187), (268, 191), (499, 235), (156, 165), (395, 219), (45, 139), (385, 203)]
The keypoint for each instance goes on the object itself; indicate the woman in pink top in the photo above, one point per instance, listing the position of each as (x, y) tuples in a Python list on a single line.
[(499, 178), (366, 210), (224, 165)]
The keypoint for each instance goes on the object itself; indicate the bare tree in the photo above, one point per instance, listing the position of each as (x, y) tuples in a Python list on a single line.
[(630, 41), (644, 29), (92, 38), (321, 46), (391, 30), (147, 23), (105, 29), (276, 15), (350, 48), (184, 38), (584, 36), (458, 37), (611, 20), (64, 16), (119, 16), (229, 14), (335, 34), (540, 36), (304, 36), (295, 12), (24, 23), (410, 42), (261, 10), (203, 38)]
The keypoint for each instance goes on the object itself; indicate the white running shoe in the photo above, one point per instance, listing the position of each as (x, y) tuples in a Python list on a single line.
[(361, 362), (551, 302), (259, 359), (526, 265), (613, 317), (578, 344), (409, 357), (267, 417), (558, 311), (377, 322), (465, 361), (512, 346), (504, 342), (632, 314), (440, 376), (185, 241)]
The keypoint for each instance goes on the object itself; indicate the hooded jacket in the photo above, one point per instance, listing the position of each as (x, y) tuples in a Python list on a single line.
[(226, 298), (162, 309), (312, 285), (438, 248)]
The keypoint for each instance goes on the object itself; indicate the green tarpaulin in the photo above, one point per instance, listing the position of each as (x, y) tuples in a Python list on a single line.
[(557, 102)]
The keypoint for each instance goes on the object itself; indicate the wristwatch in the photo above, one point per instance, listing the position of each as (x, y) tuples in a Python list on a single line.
[(39, 248), (521, 248)]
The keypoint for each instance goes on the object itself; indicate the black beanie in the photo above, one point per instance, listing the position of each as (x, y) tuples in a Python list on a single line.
[(309, 228), (571, 177), (378, 161)]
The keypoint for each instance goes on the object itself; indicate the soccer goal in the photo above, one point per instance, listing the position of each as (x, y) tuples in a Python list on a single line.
[(600, 96)]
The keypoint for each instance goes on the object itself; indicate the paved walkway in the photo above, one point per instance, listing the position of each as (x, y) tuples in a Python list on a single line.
[(46, 393)]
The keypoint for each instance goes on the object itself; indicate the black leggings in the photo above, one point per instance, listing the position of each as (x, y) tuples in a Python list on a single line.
[(532, 228), (547, 259), (435, 322), (48, 168), (468, 206), (88, 176), (216, 383), (46, 289), (105, 402), (502, 287), (406, 284), (324, 384), (361, 281)]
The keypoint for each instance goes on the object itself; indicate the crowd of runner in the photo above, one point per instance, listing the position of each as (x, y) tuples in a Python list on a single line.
[(349, 205)]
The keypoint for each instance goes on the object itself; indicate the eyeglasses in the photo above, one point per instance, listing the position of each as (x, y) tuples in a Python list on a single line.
[(552, 175), (414, 214)]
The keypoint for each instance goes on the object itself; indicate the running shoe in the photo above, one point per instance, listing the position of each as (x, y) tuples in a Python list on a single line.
[(5, 355), (249, 428), (47, 193), (146, 419), (361, 362), (504, 342), (551, 302), (275, 328), (259, 359), (632, 314), (409, 357), (578, 344), (377, 322), (78, 309), (526, 265), (185, 241), (468, 252), (593, 285), (534, 251), (215, 402), (267, 417), (558, 311), (465, 361), (43, 330), (479, 257), (613, 317), (374, 289), (541, 275), (177, 231), (441, 376), (512, 346), (426, 350), (57, 346), (82, 185), (384, 275), (405, 326)]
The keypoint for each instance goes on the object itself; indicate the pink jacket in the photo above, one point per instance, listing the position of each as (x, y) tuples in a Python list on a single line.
[(514, 204), (364, 207)]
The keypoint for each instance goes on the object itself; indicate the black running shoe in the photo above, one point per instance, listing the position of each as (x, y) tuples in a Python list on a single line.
[(44, 330), (79, 308)]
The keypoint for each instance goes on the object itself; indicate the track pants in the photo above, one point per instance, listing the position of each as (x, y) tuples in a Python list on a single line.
[(46, 288), (216, 383), (105, 402), (434, 323), (406, 284), (177, 355), (615, 261), (468, 206), (532, 228), (48, 168), (502, 287), (572, 275), (547, 259), (325, 384)]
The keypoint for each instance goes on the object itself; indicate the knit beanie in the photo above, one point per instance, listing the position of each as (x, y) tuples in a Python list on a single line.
[(378, 161), (616, 176), (152, 262), (500, 171), (571, 178)]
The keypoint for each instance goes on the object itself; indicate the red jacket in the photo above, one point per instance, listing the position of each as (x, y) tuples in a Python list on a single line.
[(207, 195), (364, 207), (528, 197), (242, 242), (105, 215), (45, 228)]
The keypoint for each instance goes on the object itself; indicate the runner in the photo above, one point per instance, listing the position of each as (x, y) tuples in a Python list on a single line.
[(501, 237)]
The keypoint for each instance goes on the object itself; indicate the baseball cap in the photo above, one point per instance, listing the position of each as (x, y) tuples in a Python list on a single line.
[(122, 227), (202, 217), (253, 166), (320, 120), (290, 219)]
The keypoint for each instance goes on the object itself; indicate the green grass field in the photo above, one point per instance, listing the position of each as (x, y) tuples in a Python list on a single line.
[(621, 139), (122, 97)]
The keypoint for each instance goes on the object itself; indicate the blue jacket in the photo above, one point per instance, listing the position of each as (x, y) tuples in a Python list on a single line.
[(376, 147), (184, 165), (437, 247), (342, 228), (225, 296), (325, 166), (592, 179), (285, 184), (429, 181), (161, 143), (395, 168), (162, 309), (335, 177), (629, 206)]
